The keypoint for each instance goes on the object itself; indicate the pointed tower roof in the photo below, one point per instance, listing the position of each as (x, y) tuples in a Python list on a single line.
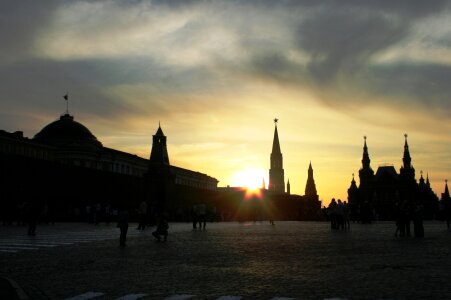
[(353, 184), (406, 158), (310, 187), (446, 193), (159, 153), (159, 130), (276, 172), (427, 180), (275, 142), (422, 182), (366, 157)]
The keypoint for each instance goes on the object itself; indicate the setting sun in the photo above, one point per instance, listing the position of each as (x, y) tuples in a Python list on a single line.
[(249, 178)]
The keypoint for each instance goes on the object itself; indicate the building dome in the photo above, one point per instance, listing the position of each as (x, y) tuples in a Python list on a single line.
[(67, 132)]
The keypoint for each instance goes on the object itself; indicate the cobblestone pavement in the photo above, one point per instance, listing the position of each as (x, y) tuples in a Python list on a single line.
[(301, 260)]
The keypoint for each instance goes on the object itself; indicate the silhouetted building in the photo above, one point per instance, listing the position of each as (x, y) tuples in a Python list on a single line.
[(276, 172), (379, 194), (174, 189), (67, 168), (288, 206)]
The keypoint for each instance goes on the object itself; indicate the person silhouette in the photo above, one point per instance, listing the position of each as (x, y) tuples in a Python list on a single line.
[(142, 215), (162, 229), (122, 224), (202, 216), (32, 212)]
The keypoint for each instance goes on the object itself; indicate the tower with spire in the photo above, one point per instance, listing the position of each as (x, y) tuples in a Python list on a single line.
[(408, 187), (276, 172), (407, 172), (310, 187), (427, 198), (159, 153), (382, 192), (445, 194), (366, 175)]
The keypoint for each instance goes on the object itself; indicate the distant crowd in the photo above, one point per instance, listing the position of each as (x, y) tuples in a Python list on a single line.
[(338, 212), (405, 213)]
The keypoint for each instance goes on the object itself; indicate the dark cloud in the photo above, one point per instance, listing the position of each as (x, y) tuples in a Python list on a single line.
[(20, 22), (340, 39), (428, 84), (38, 86)]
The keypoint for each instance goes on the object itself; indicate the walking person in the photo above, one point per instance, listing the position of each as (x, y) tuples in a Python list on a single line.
[(142, 215), (398, 219), (418, 228), (332, 212), (32, 214), (194, 216), (162, 229), (346, 215), (202, 216), (122, 224)]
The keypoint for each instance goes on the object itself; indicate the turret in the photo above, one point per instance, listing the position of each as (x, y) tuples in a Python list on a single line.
[(407, 172), (159, 154), (445, 195), (406, 158), (366, 158), (310, 187), (366, 174)]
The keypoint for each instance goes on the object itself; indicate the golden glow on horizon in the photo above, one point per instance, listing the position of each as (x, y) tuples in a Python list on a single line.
[(251, 178), (253, 194)]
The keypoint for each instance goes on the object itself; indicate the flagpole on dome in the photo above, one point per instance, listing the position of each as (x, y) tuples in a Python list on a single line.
[(66, 97)]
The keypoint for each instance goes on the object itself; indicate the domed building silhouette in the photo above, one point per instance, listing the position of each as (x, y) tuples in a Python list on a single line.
[(66, 132), (65, 168)]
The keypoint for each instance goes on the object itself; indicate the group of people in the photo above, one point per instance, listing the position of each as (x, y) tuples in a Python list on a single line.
[(404, 213), (161, 232), (338, 214), (199, 216)]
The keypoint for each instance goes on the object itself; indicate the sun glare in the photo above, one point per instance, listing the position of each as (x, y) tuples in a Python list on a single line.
[(249, 178)]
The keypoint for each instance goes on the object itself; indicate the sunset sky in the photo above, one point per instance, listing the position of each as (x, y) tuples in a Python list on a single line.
[(216, 74)]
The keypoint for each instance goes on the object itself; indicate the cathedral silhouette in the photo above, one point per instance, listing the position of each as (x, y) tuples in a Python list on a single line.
[(379, 196)]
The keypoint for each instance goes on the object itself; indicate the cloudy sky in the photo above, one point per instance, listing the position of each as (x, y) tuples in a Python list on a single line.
[(216, 73)]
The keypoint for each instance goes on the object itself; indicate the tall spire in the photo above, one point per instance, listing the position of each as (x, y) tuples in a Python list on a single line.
[(427, 180), (446, 193), (366, 174), (406, 158), (310, 187), (366, 158), (276, 172), (275, 142), (288, 187)]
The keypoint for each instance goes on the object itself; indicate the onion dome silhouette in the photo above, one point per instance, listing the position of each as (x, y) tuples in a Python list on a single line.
[(66, 132)]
